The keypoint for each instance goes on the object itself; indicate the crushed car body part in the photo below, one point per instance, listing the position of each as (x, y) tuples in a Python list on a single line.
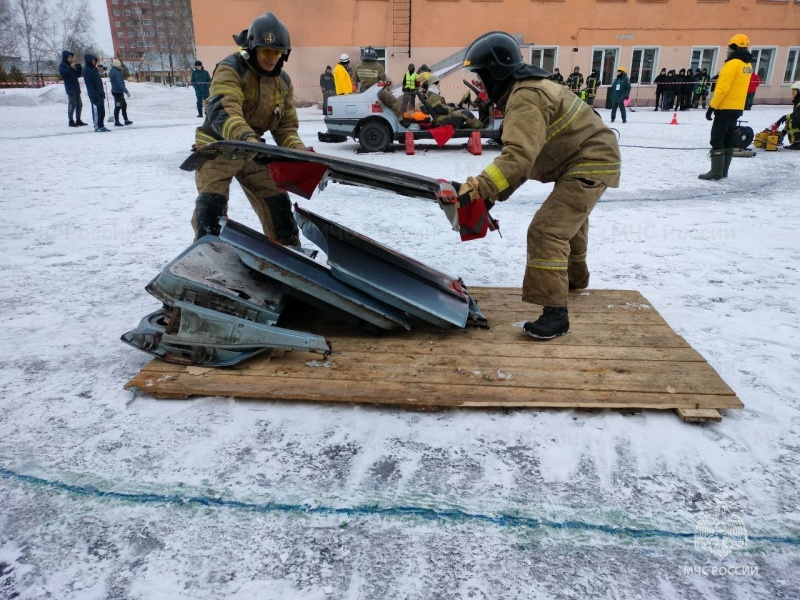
[(189, 334), (339, 170), (210, 274), (308, 280), (390, 276)]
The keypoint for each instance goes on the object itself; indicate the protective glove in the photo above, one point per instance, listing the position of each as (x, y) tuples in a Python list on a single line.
[(467, 192), (710, 114)]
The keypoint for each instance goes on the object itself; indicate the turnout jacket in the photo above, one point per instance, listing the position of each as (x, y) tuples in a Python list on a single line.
[(244, 105), (730, 92), (368, 73), (549, 133)]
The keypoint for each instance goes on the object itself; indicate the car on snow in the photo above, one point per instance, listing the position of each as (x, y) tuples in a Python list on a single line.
[(363, 117)]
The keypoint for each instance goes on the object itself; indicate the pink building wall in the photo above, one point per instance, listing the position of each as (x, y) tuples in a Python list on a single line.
[(321, 30)]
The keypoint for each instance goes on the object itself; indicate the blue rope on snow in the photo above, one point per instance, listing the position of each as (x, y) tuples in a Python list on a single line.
[(430, 514)]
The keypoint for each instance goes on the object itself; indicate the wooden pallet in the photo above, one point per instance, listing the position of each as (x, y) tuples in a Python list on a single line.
[(620, 353)]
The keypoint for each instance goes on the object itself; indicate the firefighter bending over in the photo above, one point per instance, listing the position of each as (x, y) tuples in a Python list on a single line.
[(549, 135), (250, 95)]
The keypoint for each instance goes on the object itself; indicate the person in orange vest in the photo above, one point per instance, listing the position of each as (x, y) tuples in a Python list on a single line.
[(727, 105)]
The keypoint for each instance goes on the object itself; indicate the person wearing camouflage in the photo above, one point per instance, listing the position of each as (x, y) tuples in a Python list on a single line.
[(250, 94)]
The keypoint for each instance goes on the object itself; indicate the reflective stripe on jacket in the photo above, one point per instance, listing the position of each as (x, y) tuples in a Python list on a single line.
[(549, 133), (245, 104)]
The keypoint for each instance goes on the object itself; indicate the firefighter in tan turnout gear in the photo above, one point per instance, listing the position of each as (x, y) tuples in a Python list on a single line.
[(250, 94), (549, 135), (369, 71)]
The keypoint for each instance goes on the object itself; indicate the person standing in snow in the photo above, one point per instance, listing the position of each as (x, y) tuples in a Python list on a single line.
[(549, 135), (328, 87), (250, 95), (727, 105), (70, 70), (95, 91), (341, 76), (201, 82), (119, 91), (620, 91)]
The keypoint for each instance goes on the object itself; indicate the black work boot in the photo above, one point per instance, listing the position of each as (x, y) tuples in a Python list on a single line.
[(717, 166), (72, 124), (208, 210), (553, 322), (727, 163), (280, 210)]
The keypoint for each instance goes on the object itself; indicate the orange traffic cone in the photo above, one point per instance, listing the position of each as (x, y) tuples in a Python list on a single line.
[(674, 119), (409, 142), (474, 143)]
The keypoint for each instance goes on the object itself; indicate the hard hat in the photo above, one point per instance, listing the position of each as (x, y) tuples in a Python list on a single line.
[(739, 40), (624, 70), (344, 58), (795, 86)]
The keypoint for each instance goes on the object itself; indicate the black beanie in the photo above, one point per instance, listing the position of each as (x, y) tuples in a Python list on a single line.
[(197, 62)]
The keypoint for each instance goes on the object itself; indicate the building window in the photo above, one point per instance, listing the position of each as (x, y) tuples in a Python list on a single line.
[(604, 61), (147, 21), (762, 62), (127, 12), (704, 58), (544, 57), (117, 23), (792, 72), (643, 64), (120, 34), (116, 12), (121, 45)]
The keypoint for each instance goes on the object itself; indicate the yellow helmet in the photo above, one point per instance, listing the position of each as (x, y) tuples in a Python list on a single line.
[(623, 69), (740, 40)]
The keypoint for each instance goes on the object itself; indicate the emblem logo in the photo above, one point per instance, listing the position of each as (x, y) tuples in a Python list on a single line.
[(269, 38)]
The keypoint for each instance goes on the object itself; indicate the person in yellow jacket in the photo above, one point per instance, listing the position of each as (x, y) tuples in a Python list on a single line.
[(341, 76), (727, 105), (250, 94), (549, 135)]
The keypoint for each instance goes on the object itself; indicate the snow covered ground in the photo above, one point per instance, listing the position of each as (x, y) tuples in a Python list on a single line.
[(107, 496)]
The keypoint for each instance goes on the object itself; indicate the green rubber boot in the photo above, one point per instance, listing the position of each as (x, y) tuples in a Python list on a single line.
[(728, 159), (717, 166)]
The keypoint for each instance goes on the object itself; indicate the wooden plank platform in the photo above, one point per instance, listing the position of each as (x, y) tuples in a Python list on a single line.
[(620, 353)]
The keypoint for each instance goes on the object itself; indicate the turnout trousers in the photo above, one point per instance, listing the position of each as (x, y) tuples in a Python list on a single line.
[(558, 238), (270, 203)]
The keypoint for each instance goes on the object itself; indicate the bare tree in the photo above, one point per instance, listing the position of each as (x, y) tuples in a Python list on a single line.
[(9, 40), (70, 27), (31, 18)]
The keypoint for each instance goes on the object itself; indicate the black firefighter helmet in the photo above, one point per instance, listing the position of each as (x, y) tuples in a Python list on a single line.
[(369, 53), (496, 58), (265, 31)]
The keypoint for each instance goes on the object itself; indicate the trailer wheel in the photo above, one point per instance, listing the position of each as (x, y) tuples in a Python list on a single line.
[(374, 137)]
